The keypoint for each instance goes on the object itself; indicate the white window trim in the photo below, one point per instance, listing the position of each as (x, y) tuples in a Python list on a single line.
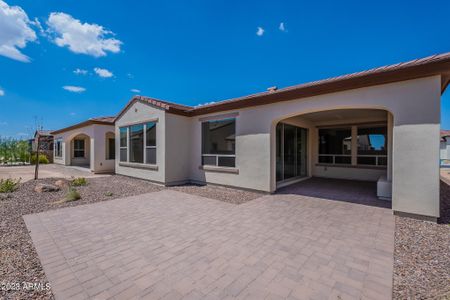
[(144, 165), (215, 119)]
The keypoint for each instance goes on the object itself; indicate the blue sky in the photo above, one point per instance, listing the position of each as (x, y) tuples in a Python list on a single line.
[(193, 52)]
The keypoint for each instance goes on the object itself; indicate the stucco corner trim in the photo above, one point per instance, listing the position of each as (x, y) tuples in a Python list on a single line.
[(219, 169), (139, 166)]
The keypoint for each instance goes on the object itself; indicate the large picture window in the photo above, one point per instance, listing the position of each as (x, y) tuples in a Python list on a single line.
[(123, 143), (78, 148), (138, 143), (335, 146), (219, 143), (372, 144)]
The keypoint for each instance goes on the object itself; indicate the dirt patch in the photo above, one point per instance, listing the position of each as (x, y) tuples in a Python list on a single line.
[(225, 194)]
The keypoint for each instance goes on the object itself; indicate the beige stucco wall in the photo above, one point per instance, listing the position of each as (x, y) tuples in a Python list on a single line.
[(94, 148), (141, 113), (415, 105)]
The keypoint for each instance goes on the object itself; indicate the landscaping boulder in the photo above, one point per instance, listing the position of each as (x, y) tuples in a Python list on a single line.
[(42, 187), (61, 183)]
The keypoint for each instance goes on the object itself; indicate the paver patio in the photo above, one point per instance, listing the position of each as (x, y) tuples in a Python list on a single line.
[(173, 245)]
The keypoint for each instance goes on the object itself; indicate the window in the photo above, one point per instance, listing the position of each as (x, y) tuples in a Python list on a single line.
[(219, 143), (137, 143), (372, 146), (335, 145), (111, 150), (150, 143), (123, 143), (141, 148), (58, 148), (78, 148)]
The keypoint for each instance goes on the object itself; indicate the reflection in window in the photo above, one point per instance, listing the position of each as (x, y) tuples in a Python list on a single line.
[(123, 143), (137, 143), (335, 145), (372, 144), (78, 148), (150, 143), (58, 148), (219, 142)]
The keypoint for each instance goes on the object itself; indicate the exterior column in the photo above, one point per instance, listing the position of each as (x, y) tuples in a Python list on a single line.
[(389, 145), (92, 155)]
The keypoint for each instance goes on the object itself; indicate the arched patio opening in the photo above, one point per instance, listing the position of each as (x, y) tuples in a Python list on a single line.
[(350, 144), (80, 155)]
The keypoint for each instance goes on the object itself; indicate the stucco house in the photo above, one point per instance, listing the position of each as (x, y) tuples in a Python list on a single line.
[(88, 144), (380, 125)]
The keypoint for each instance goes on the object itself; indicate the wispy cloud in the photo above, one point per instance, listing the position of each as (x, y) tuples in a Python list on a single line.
[(15, 31), (73, 114), (260, 31), (103, 72), (84, 38), (129, 75), (2, 92), (135, 90), (282, 27), (80, 71), (74, 89), (3, 123)]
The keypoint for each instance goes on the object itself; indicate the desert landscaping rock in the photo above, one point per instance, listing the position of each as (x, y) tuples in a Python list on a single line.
[(43, 187), (61, 183)]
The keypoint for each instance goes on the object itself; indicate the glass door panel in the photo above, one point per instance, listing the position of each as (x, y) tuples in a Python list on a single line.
[(289, 151)]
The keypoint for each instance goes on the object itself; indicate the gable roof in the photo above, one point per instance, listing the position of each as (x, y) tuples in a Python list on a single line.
[(42, 133), (91, 121), (438, 64)]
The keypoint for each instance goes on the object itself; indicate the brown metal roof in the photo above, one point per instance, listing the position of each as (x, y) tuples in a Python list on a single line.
[(91, 121), (438, 64)]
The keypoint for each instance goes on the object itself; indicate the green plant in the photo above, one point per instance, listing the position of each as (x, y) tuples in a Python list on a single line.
[(109, 194), (80, 181), (9, 185), (72, 195), (42, 159)]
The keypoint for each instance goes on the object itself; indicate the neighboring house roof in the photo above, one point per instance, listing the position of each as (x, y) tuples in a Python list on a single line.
[(43, 133), (91, 121), (438, 64)]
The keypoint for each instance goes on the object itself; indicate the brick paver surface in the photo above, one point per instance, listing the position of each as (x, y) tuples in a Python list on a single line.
[(171, 245)]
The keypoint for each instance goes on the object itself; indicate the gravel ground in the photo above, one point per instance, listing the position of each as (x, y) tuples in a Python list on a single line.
[(422, 255), (19, 261), (229, 195)]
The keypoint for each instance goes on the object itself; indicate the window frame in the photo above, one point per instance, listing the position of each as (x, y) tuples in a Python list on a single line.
[(218, 156), (126, 143), (58, 147), (334, 155), (75, 150), (145, 147)]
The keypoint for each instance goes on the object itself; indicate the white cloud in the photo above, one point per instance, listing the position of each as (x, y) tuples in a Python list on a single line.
[(72, 114), (129, 75), (135, 90), (103, 72), (15, 31), (3, 123), (2, 92), (260, 31), (282, 27), (84, 38), (74, 89), (80, 71)]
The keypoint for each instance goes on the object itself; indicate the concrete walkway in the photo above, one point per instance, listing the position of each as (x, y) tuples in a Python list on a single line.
[(45, 171), (171, 245)]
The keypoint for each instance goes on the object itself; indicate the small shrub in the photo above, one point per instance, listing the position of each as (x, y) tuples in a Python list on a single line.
[(109, 194), (72, 195), (42, 159), (9, 185), (80, 181)]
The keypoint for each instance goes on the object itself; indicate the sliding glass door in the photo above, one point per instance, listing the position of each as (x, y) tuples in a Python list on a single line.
[(291, 145)]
